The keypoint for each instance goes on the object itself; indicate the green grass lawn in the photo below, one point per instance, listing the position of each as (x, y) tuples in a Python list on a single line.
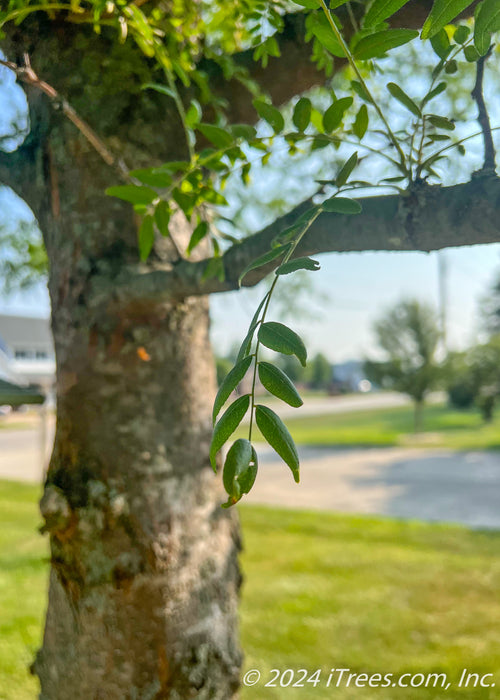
[(23, 573), (321, 591), (443, 427)]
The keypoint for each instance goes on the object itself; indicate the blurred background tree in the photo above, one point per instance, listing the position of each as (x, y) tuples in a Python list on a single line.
[(408, 335)]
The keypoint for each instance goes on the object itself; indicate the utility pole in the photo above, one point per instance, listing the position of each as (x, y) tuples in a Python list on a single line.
[(443, 297)]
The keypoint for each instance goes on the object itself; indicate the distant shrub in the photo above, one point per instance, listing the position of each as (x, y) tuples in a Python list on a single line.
[(461, 395)]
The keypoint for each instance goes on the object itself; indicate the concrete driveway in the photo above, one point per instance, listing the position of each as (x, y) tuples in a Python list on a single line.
[(433, 485), (427, 484)]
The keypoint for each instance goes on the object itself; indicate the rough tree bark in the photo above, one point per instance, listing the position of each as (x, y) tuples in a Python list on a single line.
[(144, 576)]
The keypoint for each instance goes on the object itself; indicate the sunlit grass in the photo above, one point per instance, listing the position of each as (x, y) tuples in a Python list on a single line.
[(321, 591), (23, 574), (370, 594)]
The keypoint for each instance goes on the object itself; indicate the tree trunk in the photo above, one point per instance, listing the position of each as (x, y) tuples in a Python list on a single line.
[(144, 579), (144, 575), (417, 416)]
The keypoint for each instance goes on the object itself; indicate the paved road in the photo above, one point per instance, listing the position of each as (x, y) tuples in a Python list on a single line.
[(434, 485), (428, 484)]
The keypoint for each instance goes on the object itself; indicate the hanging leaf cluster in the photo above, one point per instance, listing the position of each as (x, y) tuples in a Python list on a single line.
[(241, 462)]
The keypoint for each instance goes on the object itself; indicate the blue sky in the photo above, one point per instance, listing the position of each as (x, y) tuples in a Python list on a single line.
[(360, 286), (351, 290)]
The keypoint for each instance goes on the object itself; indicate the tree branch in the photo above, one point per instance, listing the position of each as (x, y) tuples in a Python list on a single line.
[(25, 74), (6, 163), (431, 219), (12, 169), (482, 117)]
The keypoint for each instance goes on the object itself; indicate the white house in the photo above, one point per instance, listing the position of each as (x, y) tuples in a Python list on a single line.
[(27, 351)]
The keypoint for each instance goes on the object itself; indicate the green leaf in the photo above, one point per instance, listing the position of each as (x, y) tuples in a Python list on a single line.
[(146, 237), (280, 338), (279, 384), (320, 141), (173, 166), (298, 264), (240, 469), (275, 432), (270, 114), (185, 200), (287, 234), (376, 45), (471, 54), (360, 91), (227, 424), (307, 217), (302, 114), (443, 12), (324, 34), (247, 477), (430, 161), (441, 122), (487, 21), (441, 87), (194, 114), (398, 178), (461, 34), (247, 341), (160, 88), (229, 384), (346, 170), (243, 131), (214, 268), (216, 135), (263, 260), (438, 137), (342, 205), (135, 194), (401, 96), (361, 122), (333, 115), (162, 218), (197, 236), (380, 10), (237, 458), (309, 4), (150, 177), (441, 44)]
